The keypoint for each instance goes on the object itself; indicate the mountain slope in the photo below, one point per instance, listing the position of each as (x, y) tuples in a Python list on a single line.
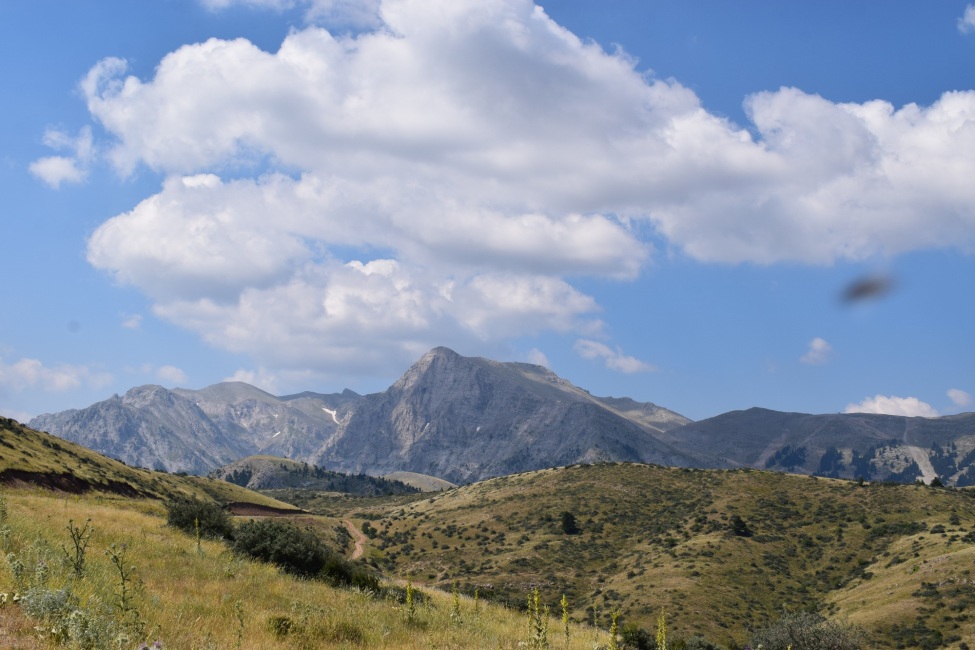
[(647, 540), (272, 473), (150, 427), (464, 419), (849, 445), (29, 457)]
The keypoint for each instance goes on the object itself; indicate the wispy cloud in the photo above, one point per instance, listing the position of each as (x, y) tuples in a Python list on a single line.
[(172, 375), (27, 374), (260, 378), (959, 397), (20, 416), (966, 24), (613, 359), (890, 405), (132, 321), (55, 170), (818, 353), (538, 357)]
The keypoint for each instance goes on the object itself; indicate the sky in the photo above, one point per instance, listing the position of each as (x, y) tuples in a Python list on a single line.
[(705, 205)]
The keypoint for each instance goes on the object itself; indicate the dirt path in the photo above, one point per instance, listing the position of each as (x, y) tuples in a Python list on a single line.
[(360, 540)]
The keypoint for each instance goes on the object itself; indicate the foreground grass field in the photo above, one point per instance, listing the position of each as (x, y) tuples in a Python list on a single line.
[(188, 597)]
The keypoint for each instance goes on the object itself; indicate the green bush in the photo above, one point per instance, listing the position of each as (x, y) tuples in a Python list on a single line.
[(635, 637), (193, 515), (569, 525), (296, 551), (739, 527)]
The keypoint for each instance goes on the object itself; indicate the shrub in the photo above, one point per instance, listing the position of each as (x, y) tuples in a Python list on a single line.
[(739, 527), (804, 631), (187, 514), (296, 551), (635, 637), (339, 571), (569, 525)]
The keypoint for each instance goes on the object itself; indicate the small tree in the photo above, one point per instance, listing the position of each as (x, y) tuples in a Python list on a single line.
[(569, 526)]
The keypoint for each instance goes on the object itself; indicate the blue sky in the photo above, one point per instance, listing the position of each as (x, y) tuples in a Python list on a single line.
[(662, 200)]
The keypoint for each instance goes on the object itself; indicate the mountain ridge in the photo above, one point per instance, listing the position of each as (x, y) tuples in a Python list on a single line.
[(464, 419), (457, 418)]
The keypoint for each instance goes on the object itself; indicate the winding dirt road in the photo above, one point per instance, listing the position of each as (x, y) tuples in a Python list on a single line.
[(360, 540)]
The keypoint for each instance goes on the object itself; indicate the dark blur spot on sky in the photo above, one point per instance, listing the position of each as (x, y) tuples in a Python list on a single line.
[(868, 288)]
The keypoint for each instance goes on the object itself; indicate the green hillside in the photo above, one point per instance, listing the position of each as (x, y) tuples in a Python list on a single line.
[(90, 562), (275, 473), (29, 457), (723, 553)]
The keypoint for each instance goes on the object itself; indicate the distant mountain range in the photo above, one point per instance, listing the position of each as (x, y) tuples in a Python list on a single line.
[(464, 419), (847, 445)]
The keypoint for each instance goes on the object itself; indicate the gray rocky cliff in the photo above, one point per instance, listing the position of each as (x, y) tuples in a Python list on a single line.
[(449, 416)]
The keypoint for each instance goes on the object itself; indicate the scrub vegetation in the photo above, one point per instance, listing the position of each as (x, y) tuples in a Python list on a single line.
[(599, 556)]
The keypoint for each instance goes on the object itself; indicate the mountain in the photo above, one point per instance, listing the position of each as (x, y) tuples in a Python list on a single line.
[(458, 418), (197, 431), (464, 419), (847, 445)]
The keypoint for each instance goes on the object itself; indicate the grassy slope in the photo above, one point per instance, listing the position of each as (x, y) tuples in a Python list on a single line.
[(659, 539), (652, 539), (421, 482), (28, 456), (189, 599)]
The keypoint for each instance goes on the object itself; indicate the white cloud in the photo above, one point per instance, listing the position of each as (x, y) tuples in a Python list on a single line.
[(20, 416), (966, 24), (27, 374), (260, 378), (538, 357), (818, 353), (482, 155), (614, 359), (55, 170), (908, 406), (132, 321), (959, 397), (172, 375)]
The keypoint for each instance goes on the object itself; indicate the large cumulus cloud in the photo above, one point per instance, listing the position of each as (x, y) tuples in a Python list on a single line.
[(444, 176)]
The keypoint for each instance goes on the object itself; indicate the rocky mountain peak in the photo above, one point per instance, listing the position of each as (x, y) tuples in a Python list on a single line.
[(450, 416)]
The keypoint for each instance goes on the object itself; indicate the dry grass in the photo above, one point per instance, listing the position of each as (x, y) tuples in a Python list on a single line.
[(190, 600), (28, 456), (656, 538)]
